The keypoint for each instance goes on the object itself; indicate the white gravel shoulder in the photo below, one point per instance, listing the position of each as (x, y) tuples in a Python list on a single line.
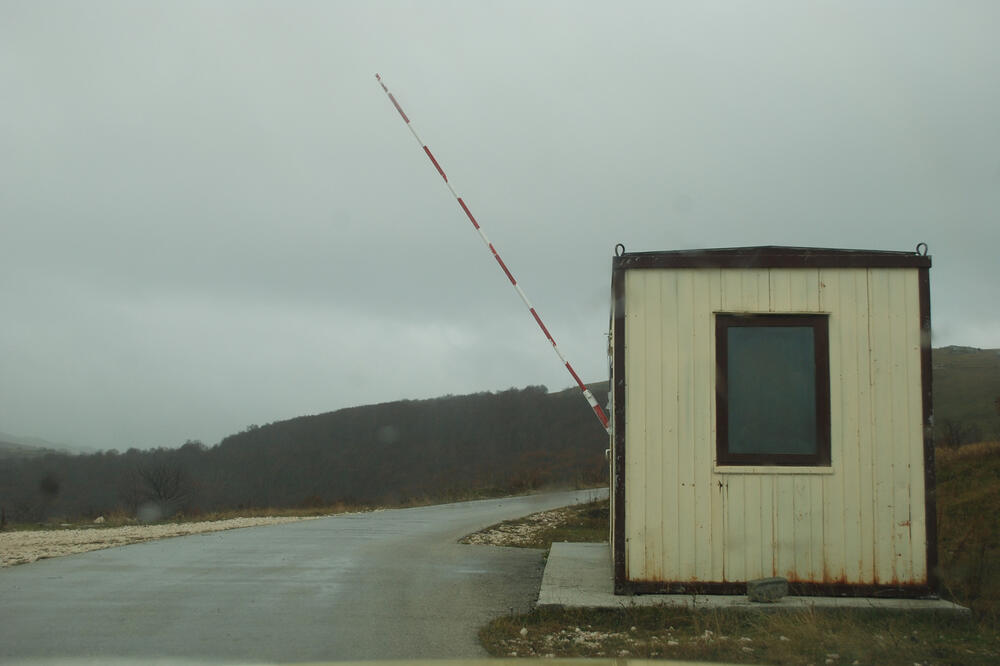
[(28, 546), (518, 532)]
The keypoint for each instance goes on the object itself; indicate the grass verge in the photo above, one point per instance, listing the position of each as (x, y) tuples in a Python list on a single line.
[(968, 505), (123, 519), (577, 523), (800, 637)]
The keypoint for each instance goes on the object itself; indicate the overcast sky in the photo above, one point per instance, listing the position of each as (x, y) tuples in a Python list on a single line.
[(211, 215)]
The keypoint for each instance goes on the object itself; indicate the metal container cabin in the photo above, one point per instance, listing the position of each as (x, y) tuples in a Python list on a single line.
[(858, 517)]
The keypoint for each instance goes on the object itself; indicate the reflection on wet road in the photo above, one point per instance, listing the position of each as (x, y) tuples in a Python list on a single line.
[(388, 584)]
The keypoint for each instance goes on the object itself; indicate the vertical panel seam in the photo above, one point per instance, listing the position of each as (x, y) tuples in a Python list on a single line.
[(871, 432)]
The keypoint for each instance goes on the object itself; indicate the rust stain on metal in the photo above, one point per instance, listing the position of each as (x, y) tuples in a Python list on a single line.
[(830, 580)]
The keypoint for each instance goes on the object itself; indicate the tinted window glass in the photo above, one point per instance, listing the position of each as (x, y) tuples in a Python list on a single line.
[(772, 390)]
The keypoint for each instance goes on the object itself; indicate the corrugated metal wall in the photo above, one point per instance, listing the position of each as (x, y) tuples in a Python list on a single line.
[(860, 521)]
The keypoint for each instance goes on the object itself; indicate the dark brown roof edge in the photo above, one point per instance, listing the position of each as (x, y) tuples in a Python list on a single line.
[(771, 256)]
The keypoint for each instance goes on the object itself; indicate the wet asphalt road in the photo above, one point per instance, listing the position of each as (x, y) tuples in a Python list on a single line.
[(384, 585)]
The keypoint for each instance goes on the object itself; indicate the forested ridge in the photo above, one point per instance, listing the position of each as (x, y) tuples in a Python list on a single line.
[(391, 453), (443, 448)]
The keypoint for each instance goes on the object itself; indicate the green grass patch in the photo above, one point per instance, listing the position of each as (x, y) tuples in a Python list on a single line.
[(793, 637), (968, 506)]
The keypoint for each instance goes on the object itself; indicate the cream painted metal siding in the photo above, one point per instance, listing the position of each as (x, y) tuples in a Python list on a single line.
[(860, 521)]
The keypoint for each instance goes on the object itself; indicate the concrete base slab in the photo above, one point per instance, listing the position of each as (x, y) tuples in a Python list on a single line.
[(580, 575)]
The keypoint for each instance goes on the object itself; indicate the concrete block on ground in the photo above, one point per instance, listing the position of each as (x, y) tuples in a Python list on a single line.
[(581, 575), (767, 590)]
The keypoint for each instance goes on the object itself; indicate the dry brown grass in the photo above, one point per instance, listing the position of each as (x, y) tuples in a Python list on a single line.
[(580, 522), (979, 450), (122, 518), (968, 502), (794, 637), (24, 546)]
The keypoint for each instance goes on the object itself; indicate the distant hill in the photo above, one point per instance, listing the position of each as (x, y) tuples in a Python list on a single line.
[(443, 448), (447, 448), (15, 445), (489, 442), (966, 391), (15, 450)]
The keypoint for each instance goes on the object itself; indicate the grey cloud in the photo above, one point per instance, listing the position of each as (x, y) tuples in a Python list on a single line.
[(212, 216)]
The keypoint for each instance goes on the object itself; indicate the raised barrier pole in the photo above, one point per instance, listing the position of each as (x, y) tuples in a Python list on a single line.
[(482, 234)]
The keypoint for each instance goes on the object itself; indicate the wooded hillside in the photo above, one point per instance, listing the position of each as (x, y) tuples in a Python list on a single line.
[(412, 450), (966, 395), (393, 453)]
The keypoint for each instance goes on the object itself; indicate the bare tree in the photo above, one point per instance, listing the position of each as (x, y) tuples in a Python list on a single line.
[(158, 490), (954, 434)]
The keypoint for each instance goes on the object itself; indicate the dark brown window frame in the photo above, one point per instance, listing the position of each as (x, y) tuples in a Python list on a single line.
[(821, 348)]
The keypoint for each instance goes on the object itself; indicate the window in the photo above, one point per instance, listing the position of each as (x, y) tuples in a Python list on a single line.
[(772, 390)]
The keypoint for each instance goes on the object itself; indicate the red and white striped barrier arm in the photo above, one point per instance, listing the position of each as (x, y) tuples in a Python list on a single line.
[(520, 292)]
